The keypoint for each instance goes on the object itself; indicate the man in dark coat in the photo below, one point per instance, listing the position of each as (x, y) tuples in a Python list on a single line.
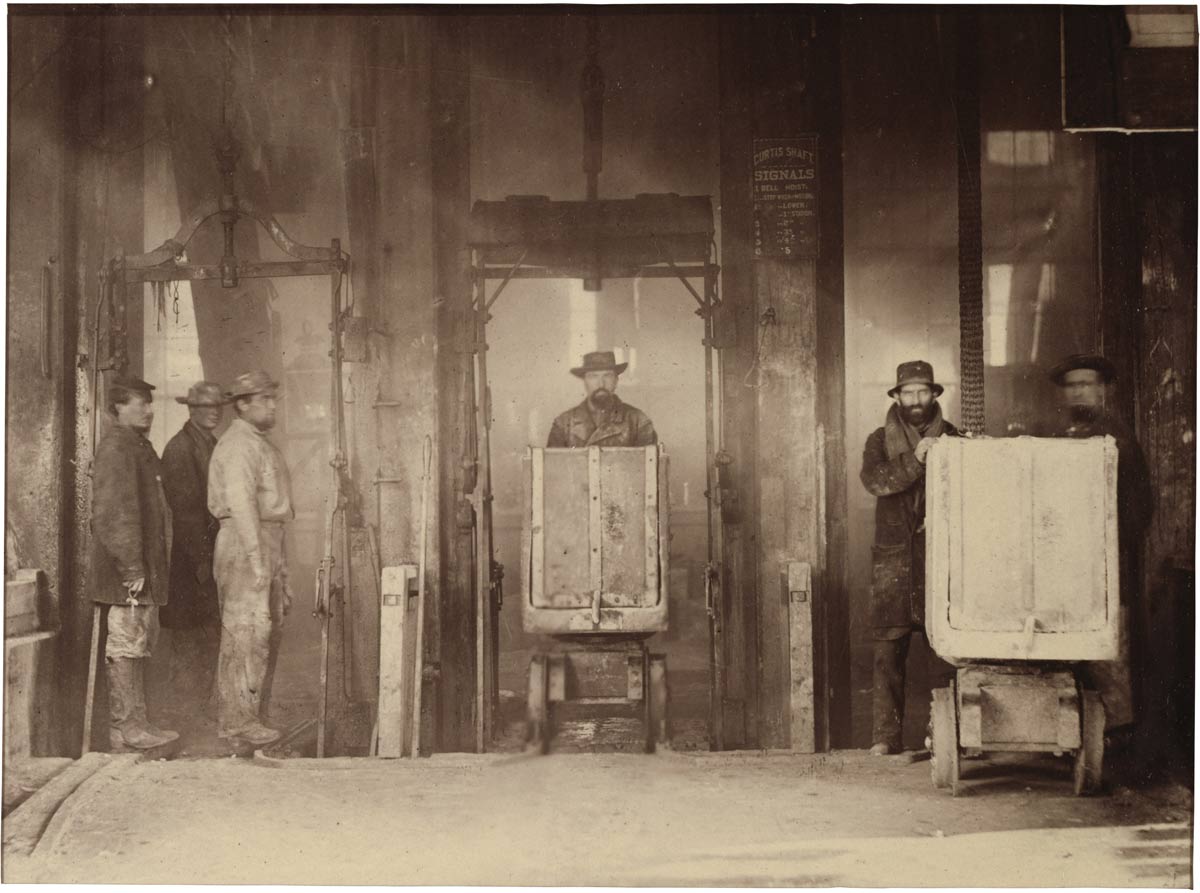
[(893, 470), (601, 419), (131, 525), (192, 614), (1084, 382)]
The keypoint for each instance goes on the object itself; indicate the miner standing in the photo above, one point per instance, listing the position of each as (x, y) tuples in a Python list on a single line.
[(893, 470), (193, 614), (131, 524), (602, 419), (249, 493), (1085, 384)]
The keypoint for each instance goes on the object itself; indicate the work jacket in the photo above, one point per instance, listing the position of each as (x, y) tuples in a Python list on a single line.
[(185, 479), (247, 484), (621, 425), (131, 521), (898, 556)]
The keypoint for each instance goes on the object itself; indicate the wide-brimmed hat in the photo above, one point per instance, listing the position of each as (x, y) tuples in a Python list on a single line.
[(915, 372), (1084, 361), (599, 361), (203, 393), (250, 383)]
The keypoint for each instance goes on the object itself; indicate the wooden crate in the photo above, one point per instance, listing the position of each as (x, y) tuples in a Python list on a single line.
[(595, 540), (1021, 549)]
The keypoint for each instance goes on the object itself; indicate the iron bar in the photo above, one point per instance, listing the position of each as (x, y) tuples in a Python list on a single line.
[(244, 269), (671, 264), (691, 271), (506, 280)]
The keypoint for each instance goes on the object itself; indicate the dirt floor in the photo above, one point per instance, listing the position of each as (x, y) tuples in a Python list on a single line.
[(673, 818)]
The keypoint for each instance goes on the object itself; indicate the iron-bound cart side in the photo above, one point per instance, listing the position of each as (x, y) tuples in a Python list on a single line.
[(595, 551)]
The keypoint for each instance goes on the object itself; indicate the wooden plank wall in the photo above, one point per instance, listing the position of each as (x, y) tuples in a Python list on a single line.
[(1147, 204)]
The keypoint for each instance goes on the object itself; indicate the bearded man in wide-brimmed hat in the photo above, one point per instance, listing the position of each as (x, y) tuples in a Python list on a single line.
[(893, 470), (602, 419), (192, 614)]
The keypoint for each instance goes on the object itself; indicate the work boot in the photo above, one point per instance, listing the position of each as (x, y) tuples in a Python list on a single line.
[(139, 686), (257, 734), (127, 707)]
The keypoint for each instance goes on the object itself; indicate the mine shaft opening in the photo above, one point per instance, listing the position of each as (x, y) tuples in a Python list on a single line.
[(567, 303)]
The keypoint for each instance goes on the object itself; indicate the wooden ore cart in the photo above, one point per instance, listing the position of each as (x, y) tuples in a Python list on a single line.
[(1021, 587), (595, 545)]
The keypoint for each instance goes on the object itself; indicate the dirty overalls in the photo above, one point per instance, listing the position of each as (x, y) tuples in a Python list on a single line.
[(249, 493), (897, 579)]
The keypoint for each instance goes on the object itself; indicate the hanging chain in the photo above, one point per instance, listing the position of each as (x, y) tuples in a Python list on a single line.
[(227, 73), (175, 299)]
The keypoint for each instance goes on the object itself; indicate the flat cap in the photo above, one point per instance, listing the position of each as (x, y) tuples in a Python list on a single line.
[(203, 393), (1084, 361), (250, 383), (130, 383)]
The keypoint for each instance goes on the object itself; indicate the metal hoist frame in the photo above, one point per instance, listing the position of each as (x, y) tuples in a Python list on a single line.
[(163, 265), (534, 238)]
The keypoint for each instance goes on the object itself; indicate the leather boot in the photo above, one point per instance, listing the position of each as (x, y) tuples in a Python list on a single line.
[(139, 704), (126, 731)]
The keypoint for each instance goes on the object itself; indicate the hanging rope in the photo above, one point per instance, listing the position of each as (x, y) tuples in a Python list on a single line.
[(970, 224)]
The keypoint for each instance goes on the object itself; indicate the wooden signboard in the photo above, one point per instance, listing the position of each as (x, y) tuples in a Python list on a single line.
[(784, 191)]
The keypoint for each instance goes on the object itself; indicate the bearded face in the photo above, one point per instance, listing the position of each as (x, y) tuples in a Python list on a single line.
[(599, 385), (916, 415), (916, 404)]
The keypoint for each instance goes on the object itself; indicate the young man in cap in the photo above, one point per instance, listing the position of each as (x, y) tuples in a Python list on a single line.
[(192, 614), (249, 493), (131, 523), (1084, 384), (893, 470), (601, 419)]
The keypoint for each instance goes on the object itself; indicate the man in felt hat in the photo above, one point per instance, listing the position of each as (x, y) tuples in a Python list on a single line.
[(893, 470), (602, 419), (131, 526), (249, 493), (1085, 384), (192, 614)]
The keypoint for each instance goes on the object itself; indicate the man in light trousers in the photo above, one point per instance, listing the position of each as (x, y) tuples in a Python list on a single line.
[(249, 493)]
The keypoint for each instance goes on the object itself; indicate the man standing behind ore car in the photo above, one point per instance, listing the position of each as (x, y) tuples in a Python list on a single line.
[(249, 492), (601, 419), (131, 524), (1084, 381), (894, 471), (193, 614)]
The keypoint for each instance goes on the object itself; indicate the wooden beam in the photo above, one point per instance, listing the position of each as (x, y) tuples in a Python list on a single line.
[(451, 175)]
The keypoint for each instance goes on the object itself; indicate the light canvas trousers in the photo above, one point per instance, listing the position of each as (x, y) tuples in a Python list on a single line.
[(132, 631), (251, 627)]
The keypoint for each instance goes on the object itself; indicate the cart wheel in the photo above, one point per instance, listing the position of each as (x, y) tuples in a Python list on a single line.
[(537, 735), (1089, 759), (656, 719), (943, 747)]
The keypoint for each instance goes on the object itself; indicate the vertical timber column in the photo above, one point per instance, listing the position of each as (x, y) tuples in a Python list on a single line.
[(455, 532), (1164, 169), (735, 330), (354, 621), (392, 398), (780, 88)]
